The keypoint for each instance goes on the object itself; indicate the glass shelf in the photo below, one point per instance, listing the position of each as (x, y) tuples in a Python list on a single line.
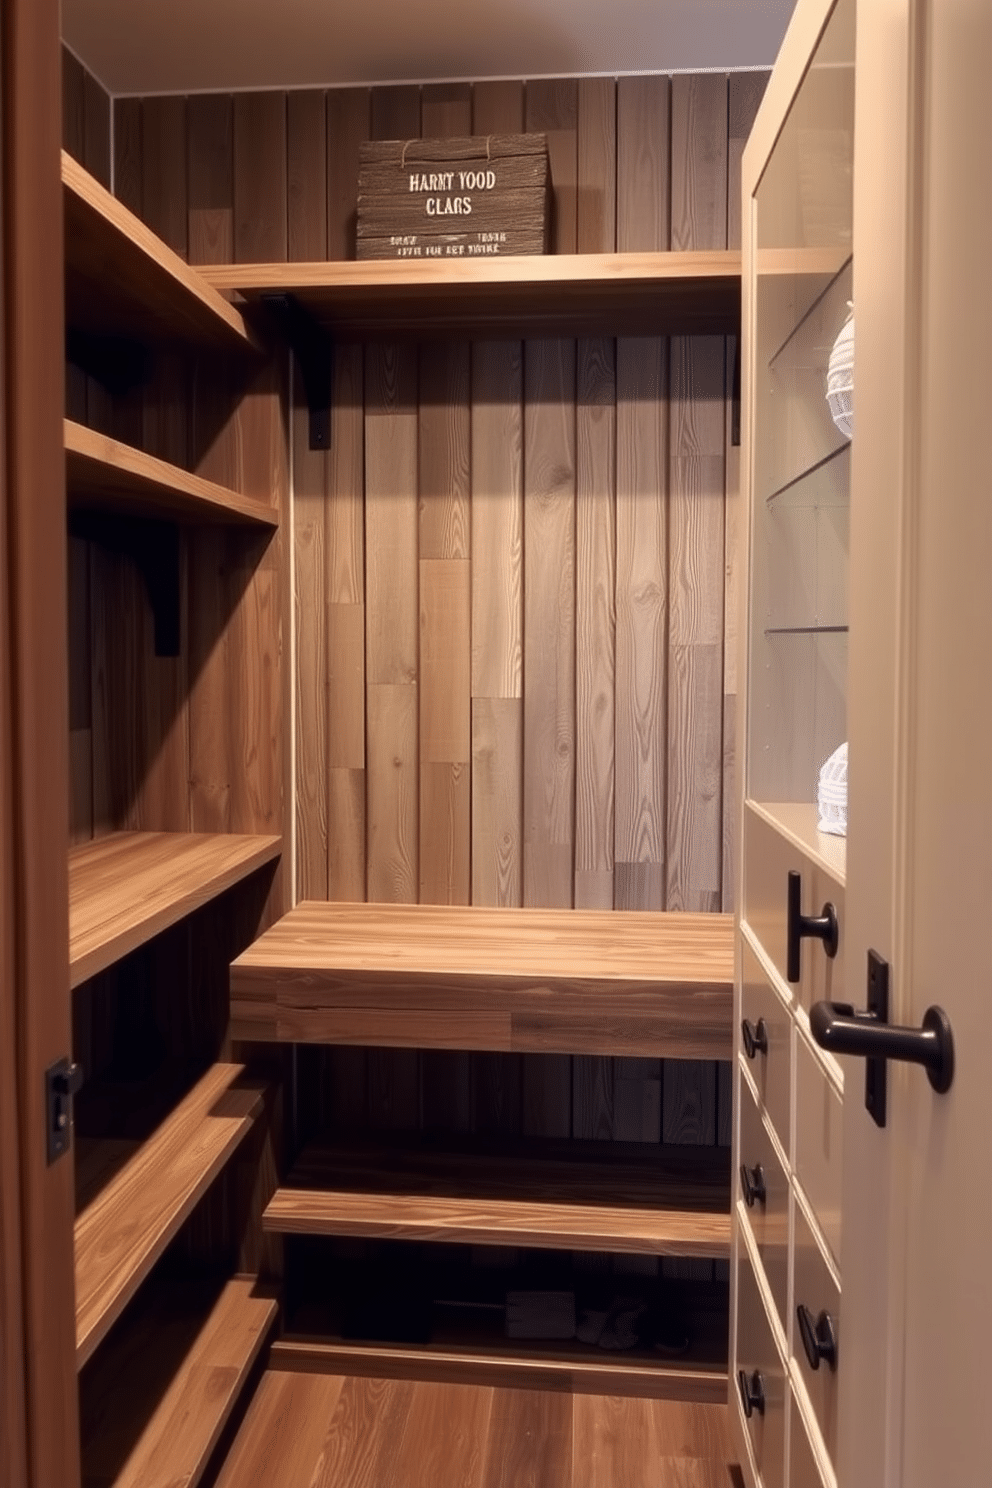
[(824, 306), (825, 483), (783, 630)]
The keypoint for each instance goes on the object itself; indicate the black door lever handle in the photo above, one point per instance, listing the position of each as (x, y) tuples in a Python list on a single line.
[(800, 927), (840, 1029)]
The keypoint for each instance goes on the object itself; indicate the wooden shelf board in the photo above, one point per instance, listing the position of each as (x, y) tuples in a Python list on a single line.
[(126, 887), (654, 1201), (797, 821), (154, 1415), (104, 475), (539, 1367), (568, 294), (129, 1221), (565, 981), (122, 280)]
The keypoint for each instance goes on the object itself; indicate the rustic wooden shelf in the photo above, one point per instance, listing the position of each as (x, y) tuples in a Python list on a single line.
[(563, 1366), (106, 476), (121, 280), (128, 886), (564, 981), (559, 1196), (156, 1414), (695, 293), (133, 1197)]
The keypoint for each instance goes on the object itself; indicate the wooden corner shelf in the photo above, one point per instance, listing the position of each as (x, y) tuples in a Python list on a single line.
[(133, 1197), (121, 280), (501, 980), (667, 1201), (156, 1414), (697, 293), (127, 887), (104, 475)]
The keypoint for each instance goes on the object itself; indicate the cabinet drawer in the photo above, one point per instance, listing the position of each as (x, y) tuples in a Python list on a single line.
[(816, 1290), (769, 857), (756, 1350), (819, 1143), (770, 1071), (768, 1221), (803, 1471)]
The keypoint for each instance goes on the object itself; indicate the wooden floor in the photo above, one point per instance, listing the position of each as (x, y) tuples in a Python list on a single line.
[(333, 1431)]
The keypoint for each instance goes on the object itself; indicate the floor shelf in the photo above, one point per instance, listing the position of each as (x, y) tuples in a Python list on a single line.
[(514, 980), (132, 1197), (121, 280), (126, 887), (104, 475), (633, 1199), (154, 1414)]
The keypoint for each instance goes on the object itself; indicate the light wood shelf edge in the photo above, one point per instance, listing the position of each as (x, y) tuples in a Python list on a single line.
[(126, 1227), (203, 1392), (98, 466), (124, 226), (796, 821), (689, 1382), (127, 887)]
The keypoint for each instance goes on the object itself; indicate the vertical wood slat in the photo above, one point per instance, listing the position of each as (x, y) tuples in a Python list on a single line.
[(349, 121), (551, 108), (306, 174)]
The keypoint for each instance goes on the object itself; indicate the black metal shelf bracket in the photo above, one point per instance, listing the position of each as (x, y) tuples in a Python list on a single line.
[(62, 1081), (314, 350)]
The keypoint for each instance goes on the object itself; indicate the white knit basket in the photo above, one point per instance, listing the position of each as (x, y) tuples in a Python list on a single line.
[(840, 379), (831, 794)]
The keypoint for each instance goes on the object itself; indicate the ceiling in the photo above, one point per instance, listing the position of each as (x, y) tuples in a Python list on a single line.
[(149, 46)]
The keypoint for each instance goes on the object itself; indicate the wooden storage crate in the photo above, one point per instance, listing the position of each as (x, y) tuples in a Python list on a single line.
[(473, 197)]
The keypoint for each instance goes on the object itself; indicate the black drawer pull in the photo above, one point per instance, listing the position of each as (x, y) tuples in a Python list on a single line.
[(755, 1037), (800, 927), (752, 1388), (819, 1337), (753, 1184)]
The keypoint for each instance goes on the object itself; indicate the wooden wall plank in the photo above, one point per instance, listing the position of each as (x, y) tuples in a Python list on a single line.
[(643, 106), (96, 127), (641, 623), (745, 92), (260, 215), (596, 227), (73, 107), (551, 108), (498, 107), (306, 138), (210, 174), (699, 160), (497, 782), (396, 112), (349, 121)]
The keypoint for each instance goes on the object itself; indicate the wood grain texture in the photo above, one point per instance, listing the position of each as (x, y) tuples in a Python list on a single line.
[(281, 1437), (497, 520), (102, 474), (551, 107), (570, 1199), (210, 136), (597, 166), (745, 92), (497, 804), (699, 160), (615, 1439), (154, 1415), (260, 178), (643, 164), (549, 623), (490, 979), (85, 118), (364, 1432), (306, 172), (349, 122), (153, 295), (127, 887), (641, 623), (126, 1225)]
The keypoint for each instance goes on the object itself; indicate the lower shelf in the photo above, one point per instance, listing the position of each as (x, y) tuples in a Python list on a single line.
[(133, 1196), (153, 1415)]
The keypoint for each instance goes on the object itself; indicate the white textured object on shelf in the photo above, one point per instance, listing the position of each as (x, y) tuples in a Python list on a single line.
[(831, 794), (840, 379)]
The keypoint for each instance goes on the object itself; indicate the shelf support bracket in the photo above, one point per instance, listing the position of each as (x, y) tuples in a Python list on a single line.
[(314, 350), (153, 547)]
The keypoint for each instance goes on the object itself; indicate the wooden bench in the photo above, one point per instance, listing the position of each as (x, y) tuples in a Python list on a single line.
[(502, 980)]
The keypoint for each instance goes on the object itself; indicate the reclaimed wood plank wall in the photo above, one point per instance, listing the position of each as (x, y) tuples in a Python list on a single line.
[(515, 587)]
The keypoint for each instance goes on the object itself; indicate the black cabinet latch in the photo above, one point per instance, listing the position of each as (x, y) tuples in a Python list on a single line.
[(62, 1081)]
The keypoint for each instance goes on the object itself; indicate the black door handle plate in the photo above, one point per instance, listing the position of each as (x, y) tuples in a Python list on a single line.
[(819, 1337), (752, 1390), (800, 927)]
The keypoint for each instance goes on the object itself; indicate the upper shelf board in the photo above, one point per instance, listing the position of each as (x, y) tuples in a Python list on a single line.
[(127, 887), (513, 980), (104, 475), (554, 295), (121, 280)]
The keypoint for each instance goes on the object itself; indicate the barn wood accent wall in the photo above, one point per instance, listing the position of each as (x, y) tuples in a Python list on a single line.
[(515, 590)]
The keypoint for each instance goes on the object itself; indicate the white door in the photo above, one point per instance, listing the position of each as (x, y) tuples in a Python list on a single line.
[(917, 1244)]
